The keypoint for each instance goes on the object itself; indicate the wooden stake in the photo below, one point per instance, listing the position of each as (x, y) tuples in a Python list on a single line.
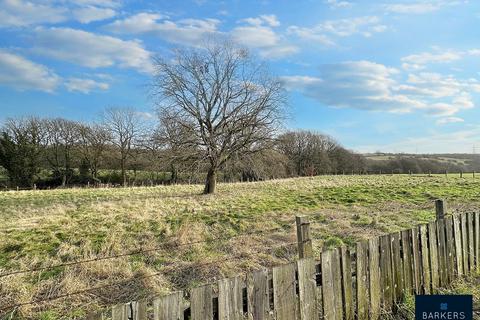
[(439, 209), (303, 238)]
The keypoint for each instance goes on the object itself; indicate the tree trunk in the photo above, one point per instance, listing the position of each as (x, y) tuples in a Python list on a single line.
[(211, 182), (124, 175)]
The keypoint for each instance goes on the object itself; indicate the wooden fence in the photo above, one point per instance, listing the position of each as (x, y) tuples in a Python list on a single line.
[(337, 285)]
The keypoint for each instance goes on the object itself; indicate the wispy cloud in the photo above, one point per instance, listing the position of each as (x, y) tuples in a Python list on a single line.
[(90, 49), (325, 32), (421, 60), (420, 7), (259, 33), (85, 85), (89, 14), (18, 13), (339, 3), (184, 31), (21, 13), (449, 120), (367, 85), (22, 74)]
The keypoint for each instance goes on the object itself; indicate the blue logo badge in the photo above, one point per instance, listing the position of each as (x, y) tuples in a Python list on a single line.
[(441, 307)]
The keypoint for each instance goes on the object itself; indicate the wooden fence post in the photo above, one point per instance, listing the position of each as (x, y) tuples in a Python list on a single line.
[(439, 209), (303, 238)]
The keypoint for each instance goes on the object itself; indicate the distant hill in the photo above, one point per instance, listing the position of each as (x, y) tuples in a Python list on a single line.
[(417, 163)]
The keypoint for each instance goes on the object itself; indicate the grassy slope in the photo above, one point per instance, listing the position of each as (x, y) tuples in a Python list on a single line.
[(457, 159), (47, 227)]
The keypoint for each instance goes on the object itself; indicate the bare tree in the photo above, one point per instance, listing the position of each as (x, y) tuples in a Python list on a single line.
[(62, 136), (124, 128), (92, 145), (223, 98)]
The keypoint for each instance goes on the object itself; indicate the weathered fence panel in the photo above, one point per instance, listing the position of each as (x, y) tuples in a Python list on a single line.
[(284, 295), (307, 289), (407, 261), (201, 304), (417, 260), (362, 279), (257, 295), (374, 278), (230, 299), (477, 240), (398, 277), (457, 234), (334, 286), (451, 265), (386, 274), (347, 284), (471, 242), (168, 307), (464, 230), (331, 286), (433, 246), (442, 252), (426, 278)]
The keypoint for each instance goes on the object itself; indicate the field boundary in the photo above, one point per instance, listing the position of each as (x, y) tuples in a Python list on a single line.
[(339, 284), (359, 283), (145, 184)]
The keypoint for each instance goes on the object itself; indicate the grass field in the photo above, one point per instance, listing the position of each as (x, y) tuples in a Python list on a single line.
[(41, 228)]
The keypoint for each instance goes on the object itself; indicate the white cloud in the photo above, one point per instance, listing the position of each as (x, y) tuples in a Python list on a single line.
[(84, 85), (97, 3), (474, 52), (268, 19), (418, 61), (347, 27), (255, 36), (338, 4), (21, 13), (18, 13), (421, 7), (449, 120), (186, 31), (91, 50), (145, 115), (371, 86), (355, 84), (279, 51), (299, 82), (259, 34), (23, 74), (412, 8), (322, 33), (310, 34), (89, 14)]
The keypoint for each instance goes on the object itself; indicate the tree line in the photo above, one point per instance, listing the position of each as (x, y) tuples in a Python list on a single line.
[(220, 115), (56, 152)]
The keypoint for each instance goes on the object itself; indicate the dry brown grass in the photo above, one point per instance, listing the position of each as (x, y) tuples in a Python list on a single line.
[(43, 228)]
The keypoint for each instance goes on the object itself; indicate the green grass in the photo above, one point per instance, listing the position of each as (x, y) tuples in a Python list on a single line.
[(41, 228)]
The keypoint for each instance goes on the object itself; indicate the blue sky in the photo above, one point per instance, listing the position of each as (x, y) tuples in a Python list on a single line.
[(395, 76)]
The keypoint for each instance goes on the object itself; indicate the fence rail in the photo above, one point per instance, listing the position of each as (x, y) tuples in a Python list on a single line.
[(337, 285)]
